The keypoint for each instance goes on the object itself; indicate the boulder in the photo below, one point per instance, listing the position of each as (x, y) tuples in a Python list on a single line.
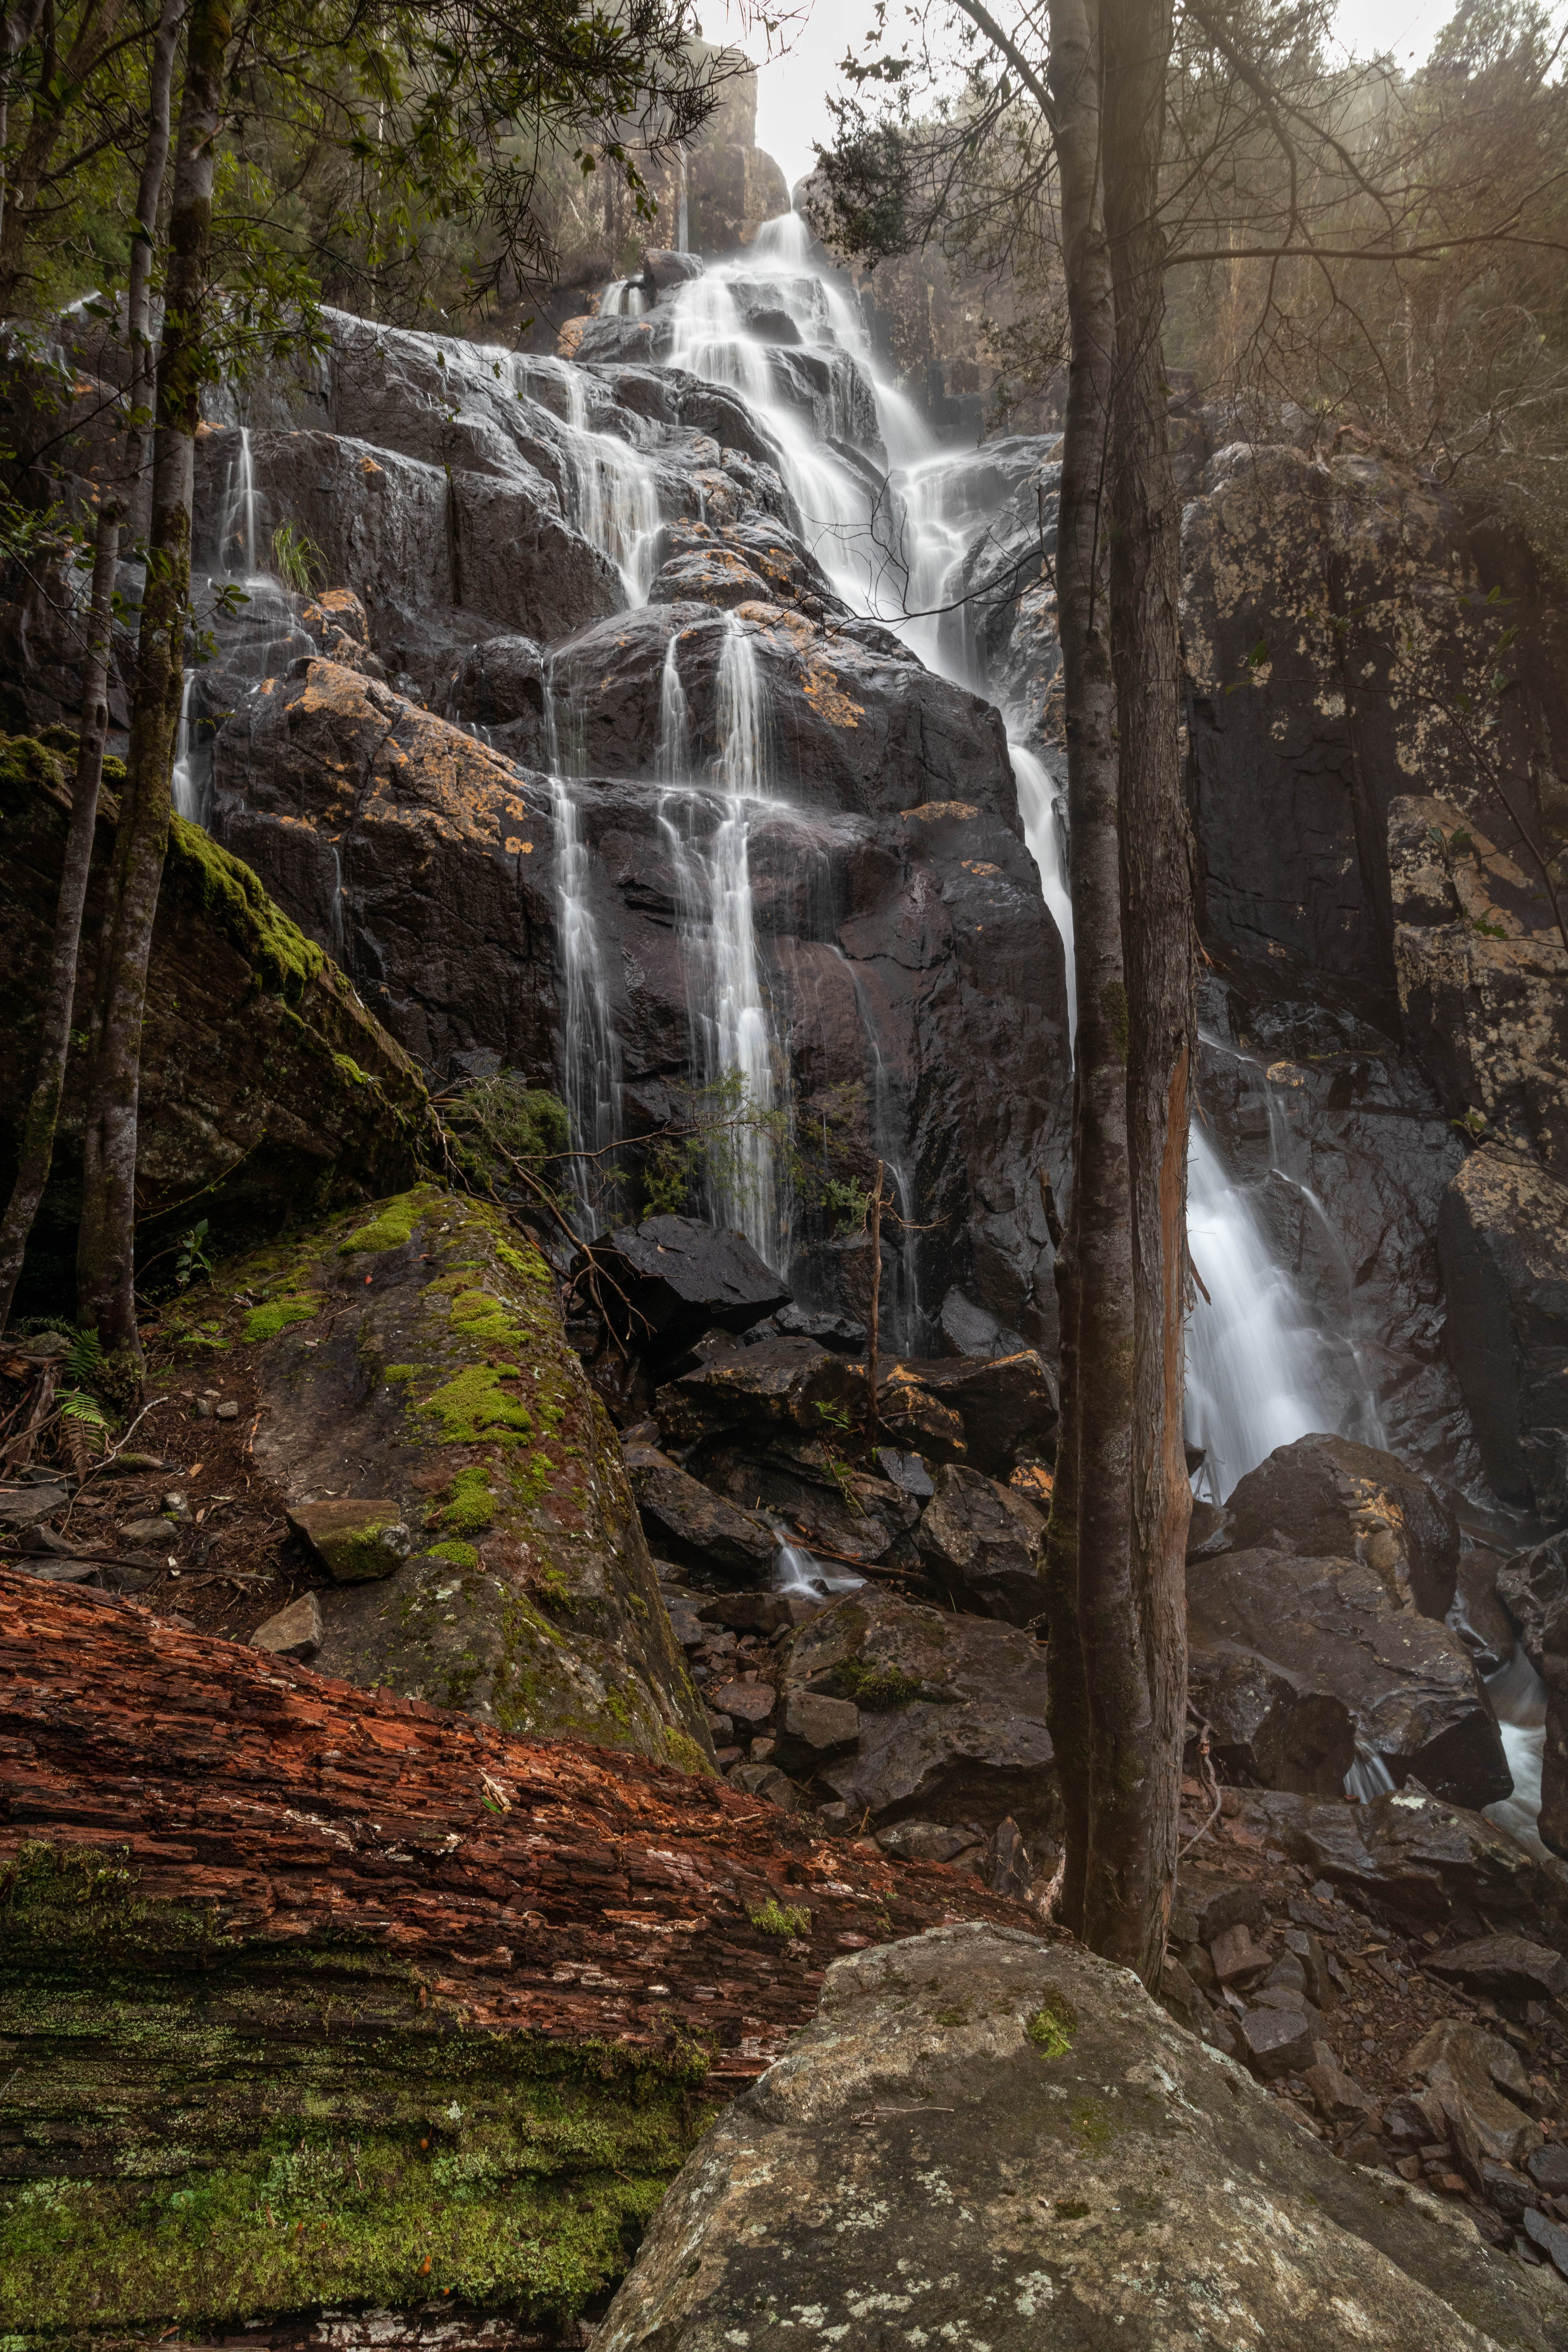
[(811, 1727), (1410, 1685), (682, 1278), (295, 1631), (416, 1350), (1502, 1239), (1463, 2066), (804, 1484), (985, 1543), (1508, 1967), (991, 2139), (697, 1525), (1276, 2042), (780, 1383), (1415, 1859), (356, 1542), (1267, 1725), (1532, 1586), (266, 1086), (1007, 1404), (952, 1715), (1332, 1498)]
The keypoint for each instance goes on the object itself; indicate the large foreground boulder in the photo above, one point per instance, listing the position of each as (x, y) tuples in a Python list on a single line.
[(280, 1953), (413, 1361), (988, 2140), (1410, 1685)]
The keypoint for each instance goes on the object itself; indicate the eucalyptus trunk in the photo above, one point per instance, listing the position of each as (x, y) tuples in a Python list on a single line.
[(1089, 1557), (106, 1298), (1134, 1848)]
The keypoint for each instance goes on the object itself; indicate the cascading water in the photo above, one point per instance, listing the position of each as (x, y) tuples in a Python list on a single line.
[(188, 781), (1518, 1701), (590, 1050), (1045, 836), (615, 493), (709, 840)]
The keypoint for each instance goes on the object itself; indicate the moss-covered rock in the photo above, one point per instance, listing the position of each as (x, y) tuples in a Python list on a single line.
[(433, 1381), (269, 1095)]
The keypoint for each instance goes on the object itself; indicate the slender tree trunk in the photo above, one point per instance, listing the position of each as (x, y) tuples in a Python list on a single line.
[(1135, 1830), (55, 1027), (1066, 1700), (18, 27), (143, 236), (106, 1246), (1099, 1239)]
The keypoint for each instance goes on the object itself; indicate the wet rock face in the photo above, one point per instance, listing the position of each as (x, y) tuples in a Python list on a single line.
[(265, 1086), (1039, 2132), (984, 1545), (1332, 1628), (1503, 1237)]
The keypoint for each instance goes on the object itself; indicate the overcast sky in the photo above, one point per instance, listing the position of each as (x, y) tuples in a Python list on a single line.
[(793, 89)]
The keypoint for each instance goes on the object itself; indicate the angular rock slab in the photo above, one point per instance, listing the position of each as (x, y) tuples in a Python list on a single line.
[(983, 2138), (1335, 1499), (697, 1525), (1330, 1624), (681, 1279), (357, 1543), (986, 1543)]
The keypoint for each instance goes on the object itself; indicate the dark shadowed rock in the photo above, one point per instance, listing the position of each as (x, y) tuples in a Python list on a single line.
[(681, 1279), (1418, 1859), (1410, 1685), (985, 1543), (812, 1728), (1332, 1498), (1502, 1237), (988, 2139), (779, 1383), (803, 1482), (1531, 1587), (1507, 1965), (1007, 1404), (697, 1525), (952, 1715), (1279, 1729)]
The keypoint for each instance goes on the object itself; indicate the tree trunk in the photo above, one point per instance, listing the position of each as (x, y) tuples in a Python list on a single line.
[(60, 999), (1136, 1867), (1097, 1558), (106, 1247), (1066, 1701), (143, 236)]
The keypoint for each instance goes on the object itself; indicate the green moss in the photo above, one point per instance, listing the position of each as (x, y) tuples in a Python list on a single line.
[(391, 1229), (477, 1316), (776, 1918), (1052, 2026), (472, 1506), (266, 1322), (682, 1750), (349, 1068), (283, 960), (400, 1373), (474, 1401), (461, 1555), (878, 1689)]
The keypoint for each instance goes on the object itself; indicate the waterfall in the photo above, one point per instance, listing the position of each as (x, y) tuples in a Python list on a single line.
[(708, 838), (798, 1571), (1518, 1701), (237, 532), (590, 1049), (1046, 836), (189, 782), (615, 492)]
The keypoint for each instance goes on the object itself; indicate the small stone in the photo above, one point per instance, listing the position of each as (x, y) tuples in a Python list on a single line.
[(147, 1531), (836, 1815), (295, 1631), (355, 1541), (1288, 1970), (1548, 2168), (766, 1781), (1407, 2167), (1238, 1956), (1550, 2237), (1362, 2147), (745, 1702), (1335, 2094), (201, 1409), (1508, 2192), (811, 1726), (1511, 1966), (228, 1411), (1279, 2042), (926, 1841), (762, 1750)]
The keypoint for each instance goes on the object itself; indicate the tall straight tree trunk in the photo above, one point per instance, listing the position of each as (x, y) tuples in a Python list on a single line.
[(59, 1004), (106, 1247), (1135, 1835), (1093, 1557), (55, 1025)]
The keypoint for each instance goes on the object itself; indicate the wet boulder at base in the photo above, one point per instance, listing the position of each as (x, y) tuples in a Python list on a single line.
[(696, 1527), (1409, 1684), (952, 1715), (411, 1360), (672, 1278), (984, 1544), (984, 2137), (1329, 1498)]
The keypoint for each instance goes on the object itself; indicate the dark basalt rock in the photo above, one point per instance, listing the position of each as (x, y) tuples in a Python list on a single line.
[(1330, 1624), (1503, 1237), (1533, 1587), (825, 1505), (697, 1527), (1266, 1725), (1007, 1404), (681, 1279), (1509, 1967), (783, 1382), (952, 1715), (1415, 1858), (1332, 1498), (984, 1545)]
